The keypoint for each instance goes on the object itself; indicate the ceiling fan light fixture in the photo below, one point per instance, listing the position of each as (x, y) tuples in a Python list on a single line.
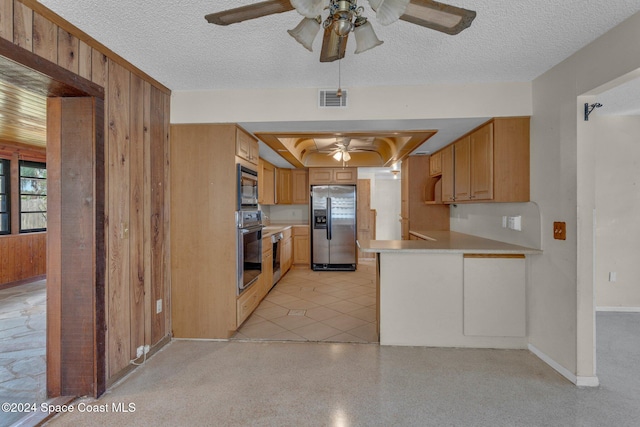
[(365, 36), (309, 8), (346, 156), (342, 25), (388, 11), (338, 156), (305, 32)]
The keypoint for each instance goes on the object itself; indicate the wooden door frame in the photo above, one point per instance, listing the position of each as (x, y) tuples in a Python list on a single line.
[(76, 354)]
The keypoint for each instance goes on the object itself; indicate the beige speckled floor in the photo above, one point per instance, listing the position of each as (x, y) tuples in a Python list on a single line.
[(322, 306), (199, 383)]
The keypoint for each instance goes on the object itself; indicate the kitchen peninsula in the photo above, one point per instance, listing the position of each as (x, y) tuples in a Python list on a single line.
[(449, 289)]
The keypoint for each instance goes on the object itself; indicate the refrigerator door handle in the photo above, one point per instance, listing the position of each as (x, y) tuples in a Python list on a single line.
[(328, 218)]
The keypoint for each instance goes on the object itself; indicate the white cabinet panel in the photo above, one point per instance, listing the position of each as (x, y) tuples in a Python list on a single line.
[(494, 296)]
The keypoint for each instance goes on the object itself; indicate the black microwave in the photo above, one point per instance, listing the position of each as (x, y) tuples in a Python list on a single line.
[(247, 188)]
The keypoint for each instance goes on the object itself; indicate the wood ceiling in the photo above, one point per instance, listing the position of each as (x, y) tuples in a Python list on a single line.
[(23, 116), (367, 149)]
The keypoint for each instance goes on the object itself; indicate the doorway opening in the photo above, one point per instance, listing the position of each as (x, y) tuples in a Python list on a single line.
[(608, 154), (74, 117)]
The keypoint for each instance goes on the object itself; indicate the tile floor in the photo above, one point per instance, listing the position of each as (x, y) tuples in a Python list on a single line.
[(22, 345), (320, 306)]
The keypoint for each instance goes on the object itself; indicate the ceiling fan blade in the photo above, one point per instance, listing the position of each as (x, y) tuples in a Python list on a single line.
[(438, 16), (334, 152), (252, 11), (333, 46)]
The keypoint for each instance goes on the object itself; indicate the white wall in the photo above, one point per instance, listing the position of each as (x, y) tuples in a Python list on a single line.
[(485, 220), (373, 103), (617, 210), (385, 199), (561, 306), (290, 214)]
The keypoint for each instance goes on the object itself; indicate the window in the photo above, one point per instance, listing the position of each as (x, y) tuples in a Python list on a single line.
[(4, 197), (33, 196)]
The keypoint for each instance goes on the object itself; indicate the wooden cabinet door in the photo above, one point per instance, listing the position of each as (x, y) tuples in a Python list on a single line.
[(300, 187), (447, 174), (435, 164), (345, 176), (267, 265), (462, 170), (481, 154), (301, 250), (286, 255), (268, 184), (283, 195), (246, 146), (320, 176)]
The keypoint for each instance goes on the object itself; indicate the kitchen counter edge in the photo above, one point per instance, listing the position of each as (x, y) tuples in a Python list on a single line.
[(444, 242)]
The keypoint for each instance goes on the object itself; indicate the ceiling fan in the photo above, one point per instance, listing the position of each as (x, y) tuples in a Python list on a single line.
[(345, 16), (342, 150)]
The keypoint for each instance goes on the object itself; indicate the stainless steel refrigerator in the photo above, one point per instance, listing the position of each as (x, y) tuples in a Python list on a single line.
[(333, 221)]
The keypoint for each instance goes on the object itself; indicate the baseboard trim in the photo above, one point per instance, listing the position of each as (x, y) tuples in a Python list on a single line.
[(577, 380), (620, 309)]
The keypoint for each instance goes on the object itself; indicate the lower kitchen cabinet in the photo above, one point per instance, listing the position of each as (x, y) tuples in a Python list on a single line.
[(248, 301), (494, 295), (286, 253), (301, 246), (267, 265)]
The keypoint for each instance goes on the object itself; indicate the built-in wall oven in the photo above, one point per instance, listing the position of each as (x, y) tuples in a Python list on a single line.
[(249, 248), (247, 188)]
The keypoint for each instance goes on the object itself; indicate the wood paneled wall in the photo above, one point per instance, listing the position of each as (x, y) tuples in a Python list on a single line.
[(137, 175), (23, 256)]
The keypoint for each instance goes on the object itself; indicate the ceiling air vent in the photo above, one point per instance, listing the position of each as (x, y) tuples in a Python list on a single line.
[(328, 98)]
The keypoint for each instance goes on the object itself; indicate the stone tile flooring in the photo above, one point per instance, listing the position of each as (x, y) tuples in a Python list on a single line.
[(22, 345), (325, 306)]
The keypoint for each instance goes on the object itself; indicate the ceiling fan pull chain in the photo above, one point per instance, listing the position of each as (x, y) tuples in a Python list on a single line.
[(339, 91)]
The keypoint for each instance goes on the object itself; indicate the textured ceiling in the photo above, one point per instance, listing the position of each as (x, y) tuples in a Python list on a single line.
[(508, 41)]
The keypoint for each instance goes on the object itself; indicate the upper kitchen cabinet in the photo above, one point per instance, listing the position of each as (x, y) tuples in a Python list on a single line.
[(462, 168), (324, 176), (283, 183), (490, 164), (419, 191), (246, 146), (435, 164), (266, 183), (299, 187)]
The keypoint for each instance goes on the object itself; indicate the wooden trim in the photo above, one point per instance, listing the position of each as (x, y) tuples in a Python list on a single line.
[(515, 256), (42, 76), (84, 37), (75, 251)]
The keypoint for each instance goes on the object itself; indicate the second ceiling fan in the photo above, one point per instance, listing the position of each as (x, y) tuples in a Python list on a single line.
[(345, 16)]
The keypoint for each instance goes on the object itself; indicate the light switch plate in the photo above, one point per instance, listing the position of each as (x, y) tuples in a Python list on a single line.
[(159, 306)]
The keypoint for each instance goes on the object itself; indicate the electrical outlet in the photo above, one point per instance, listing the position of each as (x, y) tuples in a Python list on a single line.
[(515, 222), (504, 221), (560, 230), (613, 276), (159, 306)]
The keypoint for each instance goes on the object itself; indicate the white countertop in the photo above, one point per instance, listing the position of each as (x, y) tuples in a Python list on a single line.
[(444, 242)]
